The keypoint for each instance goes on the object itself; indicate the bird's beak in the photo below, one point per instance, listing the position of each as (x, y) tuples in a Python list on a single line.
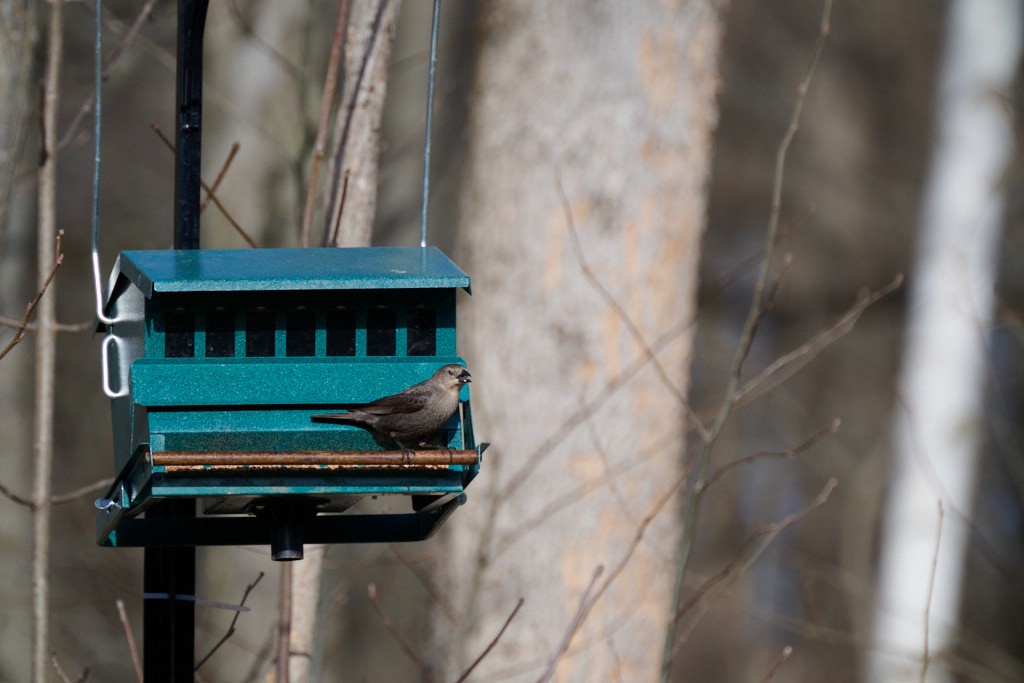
[(465, 377)]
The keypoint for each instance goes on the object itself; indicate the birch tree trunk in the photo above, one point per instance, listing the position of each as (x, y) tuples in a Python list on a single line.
[(951, 298), (615, 103)]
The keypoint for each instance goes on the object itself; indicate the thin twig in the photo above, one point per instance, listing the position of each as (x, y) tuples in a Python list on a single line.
[(231, 628), (783, 656), (213, 197), (58, 499), (931, 587), (746, 341), (425, 578), (284, 624), (133, 649), (19, 334), (494, 641), (574, 625), (785, 366), (620, 311), (112, 62), (63, 676), (220, 176), (760, 541), (371, 592), (336, 203), (831, 429), (59, 327), (16, 498), (330, 83), (80, 492)]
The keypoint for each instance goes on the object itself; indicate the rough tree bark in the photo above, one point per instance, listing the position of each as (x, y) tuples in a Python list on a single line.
[(352, 193), (615, 103)]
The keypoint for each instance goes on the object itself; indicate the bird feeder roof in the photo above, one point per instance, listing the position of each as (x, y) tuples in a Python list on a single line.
[(237, 270)]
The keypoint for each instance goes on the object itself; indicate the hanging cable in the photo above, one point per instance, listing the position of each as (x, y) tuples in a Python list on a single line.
[(97, 119), (430, 118)]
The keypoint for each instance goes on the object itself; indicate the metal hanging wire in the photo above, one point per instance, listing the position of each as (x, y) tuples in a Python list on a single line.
[(97, 120), (431, 77)]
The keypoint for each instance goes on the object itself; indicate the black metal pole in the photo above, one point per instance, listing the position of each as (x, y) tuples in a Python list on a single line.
[(169, 575), (188, 129), (168, 613)]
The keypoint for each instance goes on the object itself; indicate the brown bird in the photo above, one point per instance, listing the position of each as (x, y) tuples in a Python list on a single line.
[(412, 413)]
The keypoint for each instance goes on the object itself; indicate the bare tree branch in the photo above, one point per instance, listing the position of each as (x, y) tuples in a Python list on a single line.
[(59, 327), (130, 638), (613, 303), (783, 656), (220, 176), (371, 592), (787, 365), (209, 191), (112, 62), (231, 627), (80, 492), (754, 313), (759, 542), (63, 676), (831, 429), (319, 145), (926, 656), (31, 307), (494, 641), (574, 626)]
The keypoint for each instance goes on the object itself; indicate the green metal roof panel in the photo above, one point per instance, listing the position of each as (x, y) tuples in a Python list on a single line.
[(235, 270)]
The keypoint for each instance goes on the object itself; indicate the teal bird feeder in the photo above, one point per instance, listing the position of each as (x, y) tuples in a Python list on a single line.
[(216, 360)]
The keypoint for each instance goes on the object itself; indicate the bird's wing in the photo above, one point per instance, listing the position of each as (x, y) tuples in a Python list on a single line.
[(409, 401)]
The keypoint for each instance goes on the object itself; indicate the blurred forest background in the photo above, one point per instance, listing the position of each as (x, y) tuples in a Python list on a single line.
[(851, 209)]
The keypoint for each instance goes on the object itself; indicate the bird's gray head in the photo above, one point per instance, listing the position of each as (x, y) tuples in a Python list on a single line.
[(454, 375)]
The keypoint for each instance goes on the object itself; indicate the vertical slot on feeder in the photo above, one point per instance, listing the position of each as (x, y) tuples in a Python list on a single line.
[(341, 332), (421, 332), (300, 331), (259, 333), (380, 332), (220, 333), (179, 334)]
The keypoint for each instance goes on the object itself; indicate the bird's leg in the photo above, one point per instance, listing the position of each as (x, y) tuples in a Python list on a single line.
[(407, 453)]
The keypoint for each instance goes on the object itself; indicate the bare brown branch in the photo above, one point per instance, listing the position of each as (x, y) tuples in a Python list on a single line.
[(783, 656), (220, 176), (757, 544), (63, 676), (754, 315), (129, 637), (926, 656), (319, 145), (80, 492), (209, 191), (112, 61), (59, 327), (494, 641), (574, 625), (787, 365), (624, 316), (31, 307), (831, 429), (371, 593), (231, 627)]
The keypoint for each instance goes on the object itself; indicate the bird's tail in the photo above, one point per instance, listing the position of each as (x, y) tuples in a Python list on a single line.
[(341, 418)]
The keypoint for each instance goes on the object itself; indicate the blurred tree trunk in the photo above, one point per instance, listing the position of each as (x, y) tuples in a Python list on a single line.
[(938, 421), (615, 103), (18, 37)]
